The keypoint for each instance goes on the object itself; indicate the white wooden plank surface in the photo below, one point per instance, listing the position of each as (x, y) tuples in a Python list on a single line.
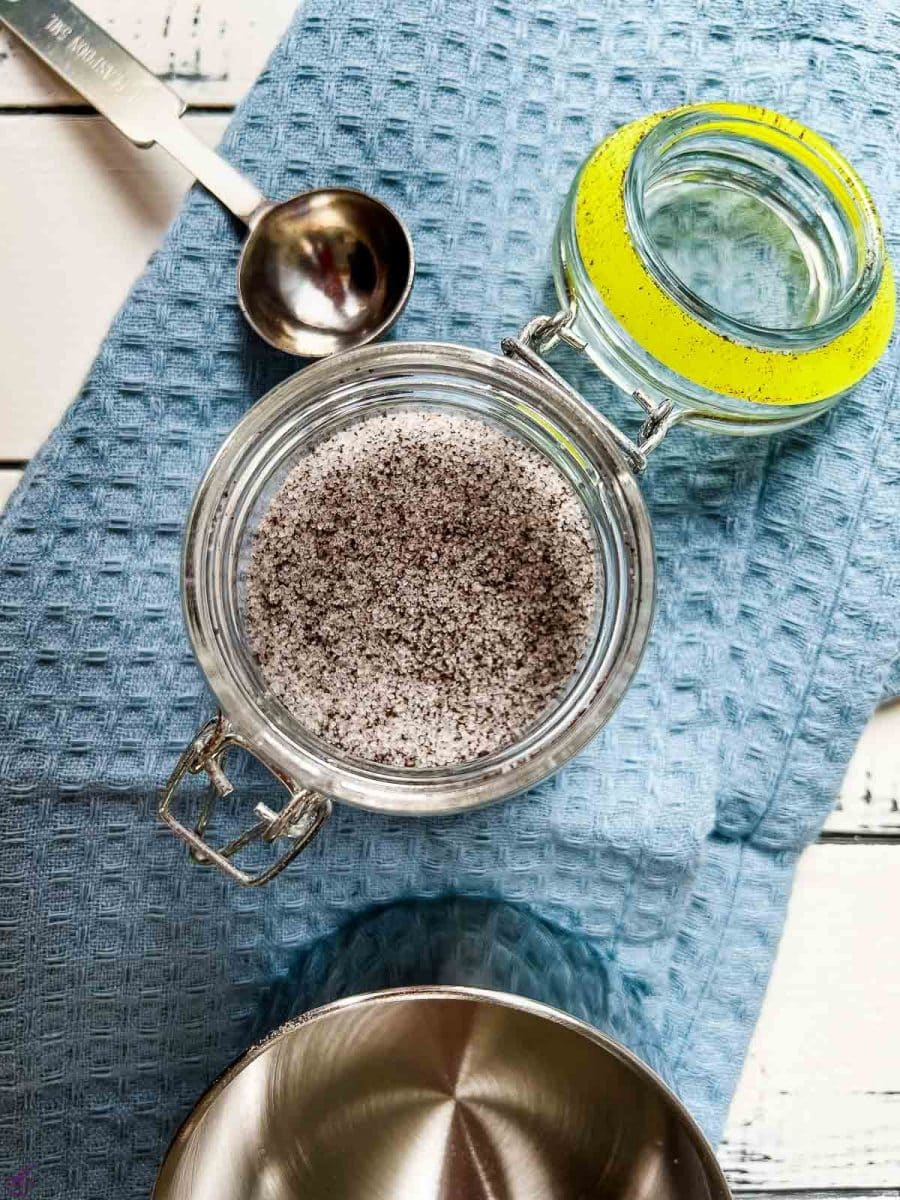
[(870, 797), (86, 212), (209, 51), (8, 480), (819, 1102)]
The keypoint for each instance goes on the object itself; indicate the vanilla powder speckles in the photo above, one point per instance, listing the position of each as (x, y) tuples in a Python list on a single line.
[(421, 588)]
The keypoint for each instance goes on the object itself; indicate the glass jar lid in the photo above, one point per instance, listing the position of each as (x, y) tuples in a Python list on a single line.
[(729, 260)]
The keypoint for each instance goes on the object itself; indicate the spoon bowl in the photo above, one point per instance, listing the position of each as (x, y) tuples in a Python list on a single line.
[(324, 271)]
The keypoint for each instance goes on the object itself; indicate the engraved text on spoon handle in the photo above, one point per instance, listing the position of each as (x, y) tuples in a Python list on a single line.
[(124, 91)]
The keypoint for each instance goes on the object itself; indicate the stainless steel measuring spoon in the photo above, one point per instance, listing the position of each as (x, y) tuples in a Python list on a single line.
[(321, 272)]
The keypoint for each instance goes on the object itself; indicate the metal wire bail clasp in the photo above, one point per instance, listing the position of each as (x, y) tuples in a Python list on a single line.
[(300, 820), (542, 333)]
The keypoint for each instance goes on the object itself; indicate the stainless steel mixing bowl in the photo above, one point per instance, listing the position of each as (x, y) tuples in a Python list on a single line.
[(439, 1094)]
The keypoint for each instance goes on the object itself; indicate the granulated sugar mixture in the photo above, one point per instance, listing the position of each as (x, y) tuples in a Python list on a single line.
[(421, 588)]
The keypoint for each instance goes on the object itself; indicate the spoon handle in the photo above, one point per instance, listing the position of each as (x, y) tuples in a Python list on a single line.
[(128, 95)]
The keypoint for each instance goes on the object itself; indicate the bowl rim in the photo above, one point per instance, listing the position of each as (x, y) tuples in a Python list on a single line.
[(179, 1144)]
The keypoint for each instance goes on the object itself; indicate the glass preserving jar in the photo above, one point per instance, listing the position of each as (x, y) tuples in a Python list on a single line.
[(723, 264)]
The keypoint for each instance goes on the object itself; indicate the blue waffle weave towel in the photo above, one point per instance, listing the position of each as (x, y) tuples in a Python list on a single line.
[(645, 886)]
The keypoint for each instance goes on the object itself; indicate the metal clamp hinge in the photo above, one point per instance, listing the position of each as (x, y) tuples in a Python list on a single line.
[(542, 333), (299, 820)]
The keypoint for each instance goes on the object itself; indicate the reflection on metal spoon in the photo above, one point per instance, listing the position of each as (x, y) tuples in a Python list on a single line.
[(325, 271)]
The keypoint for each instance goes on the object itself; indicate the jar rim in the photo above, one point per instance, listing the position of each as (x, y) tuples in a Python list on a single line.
[(210, 556), (804, 149)]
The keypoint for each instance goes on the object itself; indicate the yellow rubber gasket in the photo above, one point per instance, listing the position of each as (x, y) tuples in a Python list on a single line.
[(675, 336)]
